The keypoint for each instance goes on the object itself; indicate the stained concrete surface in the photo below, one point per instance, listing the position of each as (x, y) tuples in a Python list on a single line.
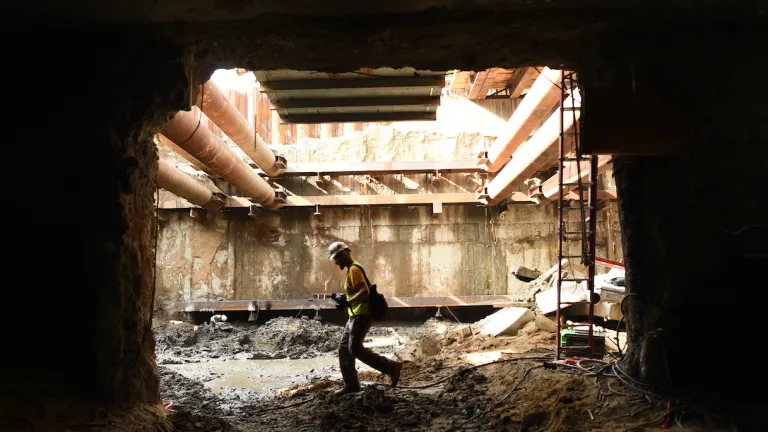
[(406, 250)]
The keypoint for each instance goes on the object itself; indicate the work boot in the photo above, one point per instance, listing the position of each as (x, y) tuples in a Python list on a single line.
[(345, 390), (395, 375)]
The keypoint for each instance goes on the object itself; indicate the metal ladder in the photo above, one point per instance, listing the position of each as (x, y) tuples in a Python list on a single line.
[(585, 210)]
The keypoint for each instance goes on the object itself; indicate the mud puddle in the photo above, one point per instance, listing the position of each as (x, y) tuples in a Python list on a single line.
[(261, 376)]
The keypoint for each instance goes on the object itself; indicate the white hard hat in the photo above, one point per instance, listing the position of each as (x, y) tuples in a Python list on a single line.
[(223, 317), (335, 248)]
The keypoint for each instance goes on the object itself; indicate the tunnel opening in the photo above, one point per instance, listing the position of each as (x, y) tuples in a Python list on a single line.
[(97, 278)]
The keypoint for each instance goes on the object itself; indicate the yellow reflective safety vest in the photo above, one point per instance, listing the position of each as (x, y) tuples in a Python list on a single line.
[(352, 279)]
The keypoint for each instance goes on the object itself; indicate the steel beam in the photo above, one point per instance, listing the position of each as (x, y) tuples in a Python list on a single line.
[(478, 85), (605, 262), (549, 188), (522, 79), (437, 81), (380, 168), (320, 303), (288, 104), (376, 200), (361, 117)]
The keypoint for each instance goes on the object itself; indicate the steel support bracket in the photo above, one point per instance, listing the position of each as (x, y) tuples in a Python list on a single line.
[(482, 157), (255, 212), (218, 201), (281, 162), (482, 193), (280, 196)]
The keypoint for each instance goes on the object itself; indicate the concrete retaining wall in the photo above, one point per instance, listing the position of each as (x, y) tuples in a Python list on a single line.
[(407, 251)]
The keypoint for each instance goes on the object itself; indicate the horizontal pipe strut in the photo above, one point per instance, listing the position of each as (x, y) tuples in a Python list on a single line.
[(214, 104), (209, 149), (539, 100), (175, 181)]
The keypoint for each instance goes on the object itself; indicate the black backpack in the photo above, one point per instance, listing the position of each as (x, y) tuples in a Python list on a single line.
[(379, 306)]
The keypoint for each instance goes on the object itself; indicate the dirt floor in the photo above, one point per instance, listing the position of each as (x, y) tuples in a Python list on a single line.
[(448, 383)]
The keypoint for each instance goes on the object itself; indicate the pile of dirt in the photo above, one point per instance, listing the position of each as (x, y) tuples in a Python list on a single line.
[(300, 338), (278, 338), (186, 421), (373, 409), (186, 394), (193, 407)]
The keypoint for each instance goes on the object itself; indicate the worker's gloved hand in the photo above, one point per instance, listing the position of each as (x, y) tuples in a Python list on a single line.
[(341, 301)]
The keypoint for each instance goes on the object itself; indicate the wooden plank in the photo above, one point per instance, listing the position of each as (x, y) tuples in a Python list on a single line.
[(373, 82)]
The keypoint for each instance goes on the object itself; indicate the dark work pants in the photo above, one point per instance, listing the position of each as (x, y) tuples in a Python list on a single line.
[(351, 348)]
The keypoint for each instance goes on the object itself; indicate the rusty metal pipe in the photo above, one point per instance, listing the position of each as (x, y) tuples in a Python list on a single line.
[(176, 182), (188, 157), (214, 104), (533, 156), (540, 99), (214, 153)]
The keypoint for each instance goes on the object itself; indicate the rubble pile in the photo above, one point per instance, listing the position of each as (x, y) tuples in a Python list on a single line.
[(300, 338), (278, 338)]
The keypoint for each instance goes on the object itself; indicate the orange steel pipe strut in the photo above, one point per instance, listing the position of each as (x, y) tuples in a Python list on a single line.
[(533, 156), (180, 151), (215, 105), (197, 140), (178, 183), (540, 99)]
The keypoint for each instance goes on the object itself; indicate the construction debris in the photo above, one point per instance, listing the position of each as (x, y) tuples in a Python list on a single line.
[(505, 322), (524, 273), (540, 283)]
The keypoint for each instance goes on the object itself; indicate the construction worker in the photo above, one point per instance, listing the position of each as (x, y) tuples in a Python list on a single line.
[(355, 300), (218, 320)]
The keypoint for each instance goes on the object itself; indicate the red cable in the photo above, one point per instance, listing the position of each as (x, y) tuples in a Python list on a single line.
[(669, 411)]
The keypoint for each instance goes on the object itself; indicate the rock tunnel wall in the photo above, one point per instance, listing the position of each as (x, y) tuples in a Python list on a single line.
[(408, 251), (79, 337)]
